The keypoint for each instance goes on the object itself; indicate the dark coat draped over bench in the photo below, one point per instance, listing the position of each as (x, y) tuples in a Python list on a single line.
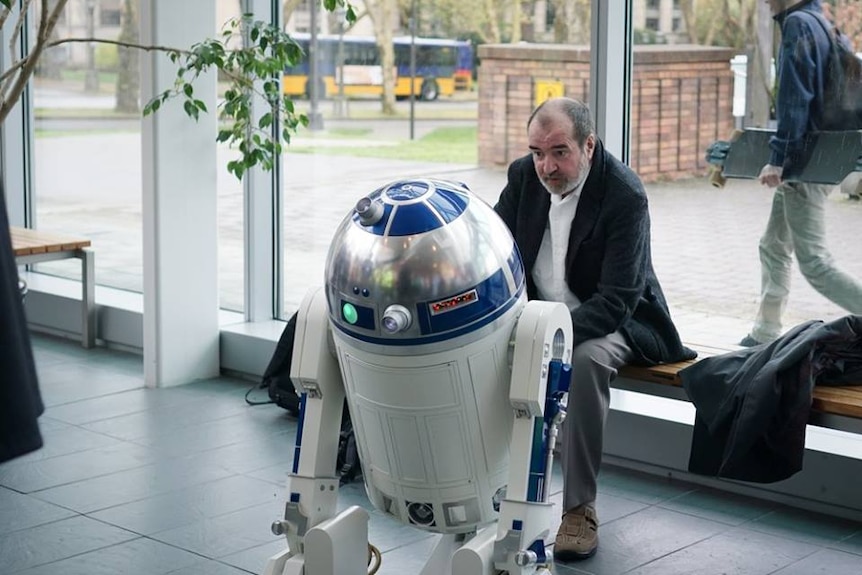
[(753, 404)]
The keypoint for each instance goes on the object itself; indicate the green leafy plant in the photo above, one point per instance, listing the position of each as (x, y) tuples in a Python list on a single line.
[(253, 71)]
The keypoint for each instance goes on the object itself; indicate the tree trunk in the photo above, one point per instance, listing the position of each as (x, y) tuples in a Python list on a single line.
[(571, 21), (381, 13), (759, 86), (288, 7), (515, 19), (492, 23), (128, 76)]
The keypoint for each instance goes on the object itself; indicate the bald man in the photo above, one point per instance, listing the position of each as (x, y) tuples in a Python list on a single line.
[(581, 221)]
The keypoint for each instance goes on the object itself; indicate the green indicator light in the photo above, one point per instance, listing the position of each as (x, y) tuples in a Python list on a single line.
[(348, 311)]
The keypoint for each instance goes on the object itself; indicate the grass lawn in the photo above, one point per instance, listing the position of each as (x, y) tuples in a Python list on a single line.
[(445, 145)]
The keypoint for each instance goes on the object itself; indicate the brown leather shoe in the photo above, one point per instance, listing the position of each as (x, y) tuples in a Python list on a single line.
[(578, 537)]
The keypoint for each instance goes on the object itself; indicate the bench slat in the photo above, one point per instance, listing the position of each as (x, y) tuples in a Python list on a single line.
[(844, 400), (27, 242)]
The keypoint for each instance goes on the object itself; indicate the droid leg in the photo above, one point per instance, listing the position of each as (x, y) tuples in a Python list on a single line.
[(540, 369), (310, 524)]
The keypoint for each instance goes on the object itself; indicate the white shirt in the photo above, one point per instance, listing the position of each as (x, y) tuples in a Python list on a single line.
[(549, 272)]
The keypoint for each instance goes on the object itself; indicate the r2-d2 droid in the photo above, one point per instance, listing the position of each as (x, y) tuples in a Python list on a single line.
[(453, 380)]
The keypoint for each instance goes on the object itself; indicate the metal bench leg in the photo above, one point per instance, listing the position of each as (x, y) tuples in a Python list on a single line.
[(88, 298)]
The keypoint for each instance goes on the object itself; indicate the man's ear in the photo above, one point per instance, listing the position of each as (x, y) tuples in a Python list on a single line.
[(590, 146)]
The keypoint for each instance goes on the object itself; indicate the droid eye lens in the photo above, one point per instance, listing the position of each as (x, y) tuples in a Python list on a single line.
[(349, 313)]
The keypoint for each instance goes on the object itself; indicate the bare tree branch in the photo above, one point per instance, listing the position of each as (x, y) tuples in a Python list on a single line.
[(46, 26), (146, 48)]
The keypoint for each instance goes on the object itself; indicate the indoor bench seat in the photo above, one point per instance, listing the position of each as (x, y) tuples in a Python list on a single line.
[(835, 407), (35, 246)]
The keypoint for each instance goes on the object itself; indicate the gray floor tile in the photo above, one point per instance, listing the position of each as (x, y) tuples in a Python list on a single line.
[(233, 429), (69, 382), (387, 534), (738, 551), (205, 566), (19, 511), (645, 536), (717, 506), (63, 439), (271, 451), (804, 526), (254, 559), (132, 485), (191, 505), (639, 486), (32, 476), (153, 425), (212, 478), (137, 557), (409, 558), (226, 534), (57, 540), (852, 544), (119, 404), (825, 562), (276, 474)]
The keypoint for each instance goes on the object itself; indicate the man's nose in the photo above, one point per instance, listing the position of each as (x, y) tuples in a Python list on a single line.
[(548, 165)]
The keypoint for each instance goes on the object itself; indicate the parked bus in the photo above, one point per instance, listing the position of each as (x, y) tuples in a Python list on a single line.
[(442, 67)]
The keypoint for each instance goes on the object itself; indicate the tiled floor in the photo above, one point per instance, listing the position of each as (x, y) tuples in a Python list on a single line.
[(187, 481)]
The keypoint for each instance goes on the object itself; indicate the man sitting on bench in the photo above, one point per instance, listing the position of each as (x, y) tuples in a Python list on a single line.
[(581, 221)]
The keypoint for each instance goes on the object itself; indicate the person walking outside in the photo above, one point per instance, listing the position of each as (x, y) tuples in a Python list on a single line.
[(797, 220)]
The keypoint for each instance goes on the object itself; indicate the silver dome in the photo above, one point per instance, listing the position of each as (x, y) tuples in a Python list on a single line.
[(421, 261)]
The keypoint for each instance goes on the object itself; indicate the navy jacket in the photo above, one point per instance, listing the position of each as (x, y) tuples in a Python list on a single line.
[(753, 404), (801, 73), (20, 401), (608, 263)]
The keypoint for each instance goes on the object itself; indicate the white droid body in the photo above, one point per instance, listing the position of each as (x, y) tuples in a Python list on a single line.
[(424, 285), (454, 383)]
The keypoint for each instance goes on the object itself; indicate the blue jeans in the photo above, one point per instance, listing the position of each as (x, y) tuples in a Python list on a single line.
[(797, 225)]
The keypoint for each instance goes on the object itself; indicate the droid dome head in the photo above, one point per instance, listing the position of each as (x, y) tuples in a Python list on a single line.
[(421, 261)]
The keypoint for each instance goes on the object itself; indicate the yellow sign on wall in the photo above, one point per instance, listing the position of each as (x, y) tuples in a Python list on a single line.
[(545, 89)]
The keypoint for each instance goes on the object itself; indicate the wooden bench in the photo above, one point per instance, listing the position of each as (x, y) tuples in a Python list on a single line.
[(34, 246), (833, 407)]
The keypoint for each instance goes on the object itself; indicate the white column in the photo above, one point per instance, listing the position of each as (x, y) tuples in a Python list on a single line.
[(262, 209), (181, 330), (610, 73)]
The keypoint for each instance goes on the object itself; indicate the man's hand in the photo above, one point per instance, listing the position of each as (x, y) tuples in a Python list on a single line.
[(770, 175)]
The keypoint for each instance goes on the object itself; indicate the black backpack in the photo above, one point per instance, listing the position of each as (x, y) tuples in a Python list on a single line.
[(276, 379), (842, 98)]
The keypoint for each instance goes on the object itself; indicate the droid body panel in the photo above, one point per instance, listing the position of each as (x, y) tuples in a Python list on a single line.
[(425, 284), (453, 381)]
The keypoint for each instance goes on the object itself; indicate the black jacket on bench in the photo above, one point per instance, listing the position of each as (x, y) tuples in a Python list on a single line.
[(753, 404)]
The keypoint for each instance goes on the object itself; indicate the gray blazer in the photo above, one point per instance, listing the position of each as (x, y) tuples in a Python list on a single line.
[(608, 264)]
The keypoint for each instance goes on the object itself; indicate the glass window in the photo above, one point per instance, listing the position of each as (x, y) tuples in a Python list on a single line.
[(87, 149), (361, 148), (109, 17)]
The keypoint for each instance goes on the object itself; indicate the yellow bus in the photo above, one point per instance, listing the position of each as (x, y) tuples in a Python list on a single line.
[(442, 67)]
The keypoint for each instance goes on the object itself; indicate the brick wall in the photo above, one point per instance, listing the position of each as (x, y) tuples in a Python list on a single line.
[(682, 101)]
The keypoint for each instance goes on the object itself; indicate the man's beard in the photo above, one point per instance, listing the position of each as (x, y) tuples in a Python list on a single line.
[(569, 186)]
